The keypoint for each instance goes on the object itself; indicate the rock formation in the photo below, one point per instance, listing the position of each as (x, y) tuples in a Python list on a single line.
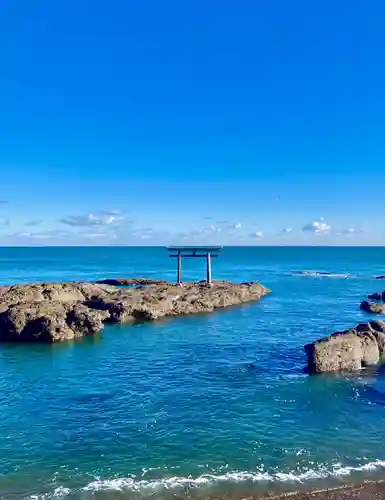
[(373, 307), (349, 350), (51, 312)]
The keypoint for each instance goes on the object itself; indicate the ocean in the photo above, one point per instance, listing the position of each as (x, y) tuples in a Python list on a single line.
[(214, 405)]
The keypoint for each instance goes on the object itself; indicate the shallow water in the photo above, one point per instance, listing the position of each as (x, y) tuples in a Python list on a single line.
[(196, 406)]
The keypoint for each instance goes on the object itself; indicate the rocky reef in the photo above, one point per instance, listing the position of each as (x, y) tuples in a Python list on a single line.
[(52, 312), (349, 350), (352, 349), (374, 307)]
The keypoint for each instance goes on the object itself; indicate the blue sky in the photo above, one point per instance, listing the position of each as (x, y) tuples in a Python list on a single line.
[(148, 122)]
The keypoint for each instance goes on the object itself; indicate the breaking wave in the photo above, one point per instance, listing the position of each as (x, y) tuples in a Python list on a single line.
[(175, 483), (322, 274)]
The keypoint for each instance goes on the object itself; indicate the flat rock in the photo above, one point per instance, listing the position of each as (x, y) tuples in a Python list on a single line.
[(53, 312), (373, 307), (350, 350)]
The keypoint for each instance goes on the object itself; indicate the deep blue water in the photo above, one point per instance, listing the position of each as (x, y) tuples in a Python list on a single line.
[(196, 406)]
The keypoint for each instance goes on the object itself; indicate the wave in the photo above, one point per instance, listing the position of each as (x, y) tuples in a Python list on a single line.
[(230, 477), (127, 484), (322, 274)]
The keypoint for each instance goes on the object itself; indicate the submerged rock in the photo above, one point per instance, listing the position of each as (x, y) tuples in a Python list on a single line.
[(349, 350), (372, 307), (52, 312)]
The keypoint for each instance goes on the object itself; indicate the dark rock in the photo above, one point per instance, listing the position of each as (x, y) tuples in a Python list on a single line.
[(380, 277), (373, 307), (349, 350), (378, 325), (131, 281)]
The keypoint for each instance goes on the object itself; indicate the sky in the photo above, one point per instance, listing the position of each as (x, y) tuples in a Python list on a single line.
[(192, 122)]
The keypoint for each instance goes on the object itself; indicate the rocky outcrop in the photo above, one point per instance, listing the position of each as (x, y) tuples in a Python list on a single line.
[(349, 350), (372, 307), (52, 312)]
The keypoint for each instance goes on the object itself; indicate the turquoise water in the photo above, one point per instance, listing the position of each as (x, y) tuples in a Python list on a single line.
[(198, 406)]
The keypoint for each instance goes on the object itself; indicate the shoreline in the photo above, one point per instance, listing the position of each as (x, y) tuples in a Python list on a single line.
[(368, 490)]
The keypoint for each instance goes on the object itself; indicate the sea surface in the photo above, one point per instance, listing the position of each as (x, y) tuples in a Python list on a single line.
[(213, 405)]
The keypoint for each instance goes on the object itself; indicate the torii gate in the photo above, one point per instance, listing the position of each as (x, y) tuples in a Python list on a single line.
[(194, 252)]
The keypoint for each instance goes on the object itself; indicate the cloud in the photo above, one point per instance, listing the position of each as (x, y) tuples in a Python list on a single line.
[(101, 235), (111, 212), (4, 202), (286, 230), (210, 229), (352, 230), (4, 222), (257, 235), (32, 223), (317, 227), (40, 235), (92, 220), (236, 226)]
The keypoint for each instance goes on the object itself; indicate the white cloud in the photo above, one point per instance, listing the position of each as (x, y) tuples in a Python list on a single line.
[(286, 230), (235, 226), (211, 229), (40, 235), (317, 227), (111, 212), (351, 230), (4, 222), (101, 235), (257, 234), (91, 220)]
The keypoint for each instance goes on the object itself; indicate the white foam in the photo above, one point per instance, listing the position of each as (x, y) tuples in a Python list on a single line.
[(175, 482), (58, 493), (181, 482), (322, 274)]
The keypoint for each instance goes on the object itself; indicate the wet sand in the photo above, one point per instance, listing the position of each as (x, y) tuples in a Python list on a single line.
[(373, 490)]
